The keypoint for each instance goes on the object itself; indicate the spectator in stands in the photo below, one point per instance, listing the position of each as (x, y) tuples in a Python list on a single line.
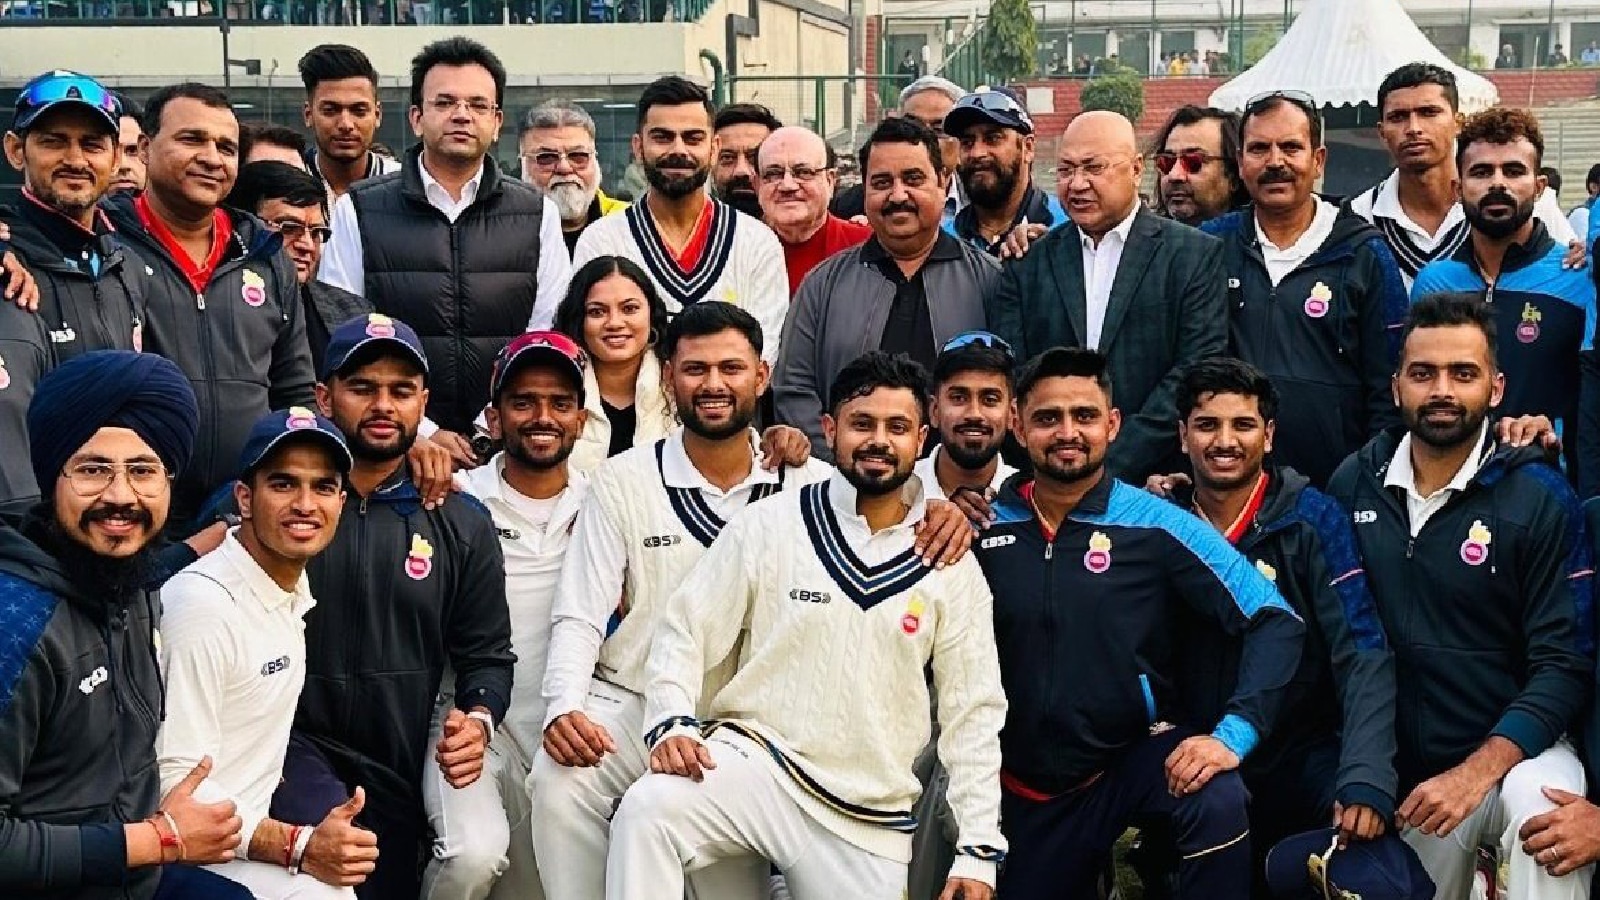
[(1591, 54), (1067, 290), (1579, 217), (1557, 57), (92, 291), (925, 101), (466, 256), (1315, 299), (263, 141), (343, 112), (996, 138), (910, 288), (247, 353), (910, 68), (1197, 160), (1507, 58), (129, 176), (740, 128), (557, 145), (797, 174), (292, 203)]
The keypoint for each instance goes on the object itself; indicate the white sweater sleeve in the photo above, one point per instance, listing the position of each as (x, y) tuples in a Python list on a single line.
[(702, 621), (555, 269), (590, 589), (971, 710), (769, 289)]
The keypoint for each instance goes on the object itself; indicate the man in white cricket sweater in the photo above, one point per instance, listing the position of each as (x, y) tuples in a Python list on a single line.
[(695, 247), (233, 653), (649, 516), (483, 838), (806, 756)]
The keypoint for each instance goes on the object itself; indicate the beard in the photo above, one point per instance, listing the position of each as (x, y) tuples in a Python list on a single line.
[(516, 447), (572, 199), (73, 208), (1046, 465), (398, 446), (743, 413), (987, 195), (675, 187), (875, 485), (109, 580), (972, 458), (1498, 229), (744, 200), (1447, 435)]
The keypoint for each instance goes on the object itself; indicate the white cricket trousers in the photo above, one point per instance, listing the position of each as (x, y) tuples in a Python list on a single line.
[(271, 882), (573, 806), (669, 825), (482, 845), (1452, 860)]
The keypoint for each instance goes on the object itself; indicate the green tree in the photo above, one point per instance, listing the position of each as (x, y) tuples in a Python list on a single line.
[(1010, 42), (1121, 91), (1259, 44)]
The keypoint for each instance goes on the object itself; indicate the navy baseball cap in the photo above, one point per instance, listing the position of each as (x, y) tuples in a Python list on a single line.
[(361, 331), (294, 423), (61, 87), (1308, 866), (994, 107), (552, 347)]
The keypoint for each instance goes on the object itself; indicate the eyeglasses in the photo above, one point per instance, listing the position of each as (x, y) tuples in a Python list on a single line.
[(802, 174), (1306, 102), (1094, 168), (91, 479), (1318, 866), (1191, 160), (977, 338), (477, 106), (67, 86), (549, 159), (294, 230)]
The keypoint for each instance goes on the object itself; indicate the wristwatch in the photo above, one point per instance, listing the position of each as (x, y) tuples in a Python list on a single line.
[(486, 719)]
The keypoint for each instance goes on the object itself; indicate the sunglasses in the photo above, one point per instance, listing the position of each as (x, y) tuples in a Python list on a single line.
[(76, 88), (1191, 160), (1317, 866), (993, 101), (1305, 101), (294, 230), (978, 338), (549, 159), (549, 340)]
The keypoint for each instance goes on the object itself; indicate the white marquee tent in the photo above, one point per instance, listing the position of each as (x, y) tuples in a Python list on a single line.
[(1338, 51)]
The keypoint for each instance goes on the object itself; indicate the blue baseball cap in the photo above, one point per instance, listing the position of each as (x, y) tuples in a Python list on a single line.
[(294, 423), (61, 87), (361, 331), (1381, 869), (993, 106)]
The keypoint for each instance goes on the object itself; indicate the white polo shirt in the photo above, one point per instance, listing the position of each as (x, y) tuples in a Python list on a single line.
[(233, 652), (927, 470), (1420, 509)]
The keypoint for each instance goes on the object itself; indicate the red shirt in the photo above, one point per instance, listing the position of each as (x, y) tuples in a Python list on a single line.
[(835, 234), (199, 275), (689, 256)]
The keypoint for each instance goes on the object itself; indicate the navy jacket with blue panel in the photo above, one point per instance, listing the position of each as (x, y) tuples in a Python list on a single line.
[(1488, 607), (1544, 317), (1088, 629), (1343, 692)]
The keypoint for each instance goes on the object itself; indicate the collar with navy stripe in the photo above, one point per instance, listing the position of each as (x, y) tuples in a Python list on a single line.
[(867, 585), (689, 502), (691, 286)]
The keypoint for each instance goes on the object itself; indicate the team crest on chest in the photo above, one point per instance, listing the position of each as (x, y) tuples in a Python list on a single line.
[(254, 291), (1320, 301), (911, 622), (1528, 328), (1267, 571), (5, 377), (1475, 549), (1098, 559), (419, 562)]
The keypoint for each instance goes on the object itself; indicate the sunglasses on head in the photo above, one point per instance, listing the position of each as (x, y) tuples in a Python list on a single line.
[(77, 88), (1305, 101), (551, 340), (1191, 160), (979, 338), (993, 101)]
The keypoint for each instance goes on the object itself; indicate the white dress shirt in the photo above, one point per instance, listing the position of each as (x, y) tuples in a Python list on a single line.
[(1283, 260), (1419, 508), (1100, 264), (342, 265)]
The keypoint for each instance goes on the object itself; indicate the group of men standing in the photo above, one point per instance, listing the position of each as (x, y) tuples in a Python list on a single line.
[(1295, 562)]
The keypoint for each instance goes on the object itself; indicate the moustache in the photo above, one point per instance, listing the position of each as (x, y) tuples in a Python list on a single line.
[(1060, 446), (899, 206), (675, 161), (741, 183), (1497, 196), (881, 452), (1442, 407), (983, 165), (74, 173), (106, 511), (537, 429), (1276, 176), (380, 420)]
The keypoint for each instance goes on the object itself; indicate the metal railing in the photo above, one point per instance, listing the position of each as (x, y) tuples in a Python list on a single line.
[(208, 14)]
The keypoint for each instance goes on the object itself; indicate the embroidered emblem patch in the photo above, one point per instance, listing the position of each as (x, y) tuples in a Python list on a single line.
[(254, 291), (911, 622), (1267, 571), (1320, 301), (1098, 559), (419, 563), (1528, 328), (300, 417), (379, 326), (1475, 549), (5, 377)]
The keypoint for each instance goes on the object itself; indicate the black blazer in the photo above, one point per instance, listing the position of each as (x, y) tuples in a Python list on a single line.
[(1168, 307)]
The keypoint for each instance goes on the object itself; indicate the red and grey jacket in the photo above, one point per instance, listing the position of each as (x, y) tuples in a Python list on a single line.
[(1089, 622)]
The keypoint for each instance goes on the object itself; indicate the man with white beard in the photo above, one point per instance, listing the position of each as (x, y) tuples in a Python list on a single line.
[(558, 157)]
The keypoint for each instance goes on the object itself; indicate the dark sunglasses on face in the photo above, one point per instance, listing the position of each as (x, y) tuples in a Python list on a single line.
[(549, 159), (1191, 160)]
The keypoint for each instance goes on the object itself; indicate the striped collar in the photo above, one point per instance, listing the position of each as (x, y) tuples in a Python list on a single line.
[(1412, 246), (867, 585), (689, 502), (693, 285)]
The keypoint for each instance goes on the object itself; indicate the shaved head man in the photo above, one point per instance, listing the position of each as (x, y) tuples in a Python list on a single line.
[(795, 181), (1151, 326)]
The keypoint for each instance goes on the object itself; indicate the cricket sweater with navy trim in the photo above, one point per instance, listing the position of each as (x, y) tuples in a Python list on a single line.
[(1089, 622), (839, 626)]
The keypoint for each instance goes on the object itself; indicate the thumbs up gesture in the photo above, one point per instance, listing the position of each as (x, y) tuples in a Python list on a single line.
[(207, 832), (341, 853)]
